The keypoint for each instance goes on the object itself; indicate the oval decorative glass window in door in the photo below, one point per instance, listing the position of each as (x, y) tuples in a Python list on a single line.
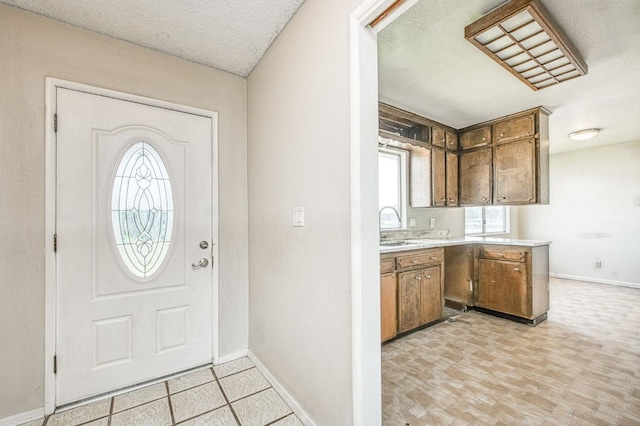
[(142, 209)]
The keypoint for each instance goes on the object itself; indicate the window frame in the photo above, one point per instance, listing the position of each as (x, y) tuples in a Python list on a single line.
[(506, 229), (403, 184)]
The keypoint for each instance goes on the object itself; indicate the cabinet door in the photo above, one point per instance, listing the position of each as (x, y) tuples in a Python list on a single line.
[(438, 170), (475, 138), (438, 136), (452, 179), (515, 172), (502, 287), (409, 288), (515, 128), (388, 315), (431, 295), (458, 274), (451, 139), (475, 177), (420, 177)]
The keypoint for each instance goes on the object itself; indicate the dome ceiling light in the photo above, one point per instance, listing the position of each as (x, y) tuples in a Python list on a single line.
[(583, 135)]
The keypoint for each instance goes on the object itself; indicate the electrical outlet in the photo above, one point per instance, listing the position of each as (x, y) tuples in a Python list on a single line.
[(597, 264), (412, 222), (432, 222)]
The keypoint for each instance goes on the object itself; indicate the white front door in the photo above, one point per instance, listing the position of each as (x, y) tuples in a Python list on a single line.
[(134, 213)]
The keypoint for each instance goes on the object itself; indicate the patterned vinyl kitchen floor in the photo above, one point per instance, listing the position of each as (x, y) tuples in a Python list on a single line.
[(580, 367), (234, 393)]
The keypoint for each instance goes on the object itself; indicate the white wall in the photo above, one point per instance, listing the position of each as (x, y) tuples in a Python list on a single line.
[(32, 47), (299, 155), (593, 214)]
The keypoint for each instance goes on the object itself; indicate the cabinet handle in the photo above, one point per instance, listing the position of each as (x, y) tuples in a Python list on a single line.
[(434, 258), (419, 277), (428, 277), (501, 255), (484, 139), (516, 269), (501, 134), (444, 200), (484, 199), (414, 261)]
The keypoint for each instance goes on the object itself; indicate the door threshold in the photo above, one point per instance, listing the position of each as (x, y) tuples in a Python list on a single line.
[(130, 388)]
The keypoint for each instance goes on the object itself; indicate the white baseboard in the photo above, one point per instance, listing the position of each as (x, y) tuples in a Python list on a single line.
[(232, 357), (595, 280), (297, 409), (27, 416)]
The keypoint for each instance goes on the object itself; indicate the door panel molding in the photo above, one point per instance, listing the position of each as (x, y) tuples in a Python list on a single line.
[(51, 86)]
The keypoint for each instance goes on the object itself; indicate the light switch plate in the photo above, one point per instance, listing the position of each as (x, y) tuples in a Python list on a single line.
[(432, 222), (412, 222), (298, 216)]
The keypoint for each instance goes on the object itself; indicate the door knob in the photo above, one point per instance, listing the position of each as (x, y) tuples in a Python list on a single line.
[(203, 263)]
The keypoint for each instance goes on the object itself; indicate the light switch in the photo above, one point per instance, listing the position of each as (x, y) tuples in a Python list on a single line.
[(298, 216), (432, 222)]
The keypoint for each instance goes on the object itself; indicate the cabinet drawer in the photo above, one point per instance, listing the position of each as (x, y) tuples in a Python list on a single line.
[(515, 128), (503, 254), (387, 265), (422, 258), (474, 138)]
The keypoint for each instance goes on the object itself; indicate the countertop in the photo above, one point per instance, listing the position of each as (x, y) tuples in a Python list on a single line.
[(421, 243)]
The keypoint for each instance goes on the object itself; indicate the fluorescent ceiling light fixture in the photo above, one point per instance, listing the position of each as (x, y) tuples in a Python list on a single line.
[(583, 135), (521, 36)]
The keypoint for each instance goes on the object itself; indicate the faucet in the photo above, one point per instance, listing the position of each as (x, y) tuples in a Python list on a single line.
[(380, 215)]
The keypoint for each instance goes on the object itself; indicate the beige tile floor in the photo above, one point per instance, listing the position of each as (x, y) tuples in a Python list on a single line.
[(234, 393), (580, 367)]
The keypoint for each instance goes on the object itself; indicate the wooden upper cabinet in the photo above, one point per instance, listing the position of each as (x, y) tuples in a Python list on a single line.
[(438, 136), (515, 172), (438, 173), (475, 177), (475, 138), (451, 140), (420, 177), (515, 128), (452, 179)]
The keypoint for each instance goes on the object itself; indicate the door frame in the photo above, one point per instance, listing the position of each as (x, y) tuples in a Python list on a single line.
[(50, 270)]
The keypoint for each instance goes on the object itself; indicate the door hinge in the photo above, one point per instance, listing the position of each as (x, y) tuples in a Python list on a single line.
[(55, 364), (55, 123), (55, 243)]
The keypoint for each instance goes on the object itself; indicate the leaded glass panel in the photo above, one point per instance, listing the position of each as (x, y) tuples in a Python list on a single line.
[(142, 209)]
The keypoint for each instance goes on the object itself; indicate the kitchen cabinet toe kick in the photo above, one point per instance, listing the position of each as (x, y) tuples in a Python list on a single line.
[(531, 322)]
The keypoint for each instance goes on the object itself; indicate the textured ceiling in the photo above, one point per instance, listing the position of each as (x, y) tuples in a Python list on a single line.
[(428, 67), (226, 34)]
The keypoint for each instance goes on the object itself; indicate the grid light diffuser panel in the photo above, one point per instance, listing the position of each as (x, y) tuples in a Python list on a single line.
[(521, 37)]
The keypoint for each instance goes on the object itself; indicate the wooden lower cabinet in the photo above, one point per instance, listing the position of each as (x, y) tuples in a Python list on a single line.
[(430, 295), (458, 276), (502, 286), (513, 280), (388, 312), (409, 297), (419, 297)]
